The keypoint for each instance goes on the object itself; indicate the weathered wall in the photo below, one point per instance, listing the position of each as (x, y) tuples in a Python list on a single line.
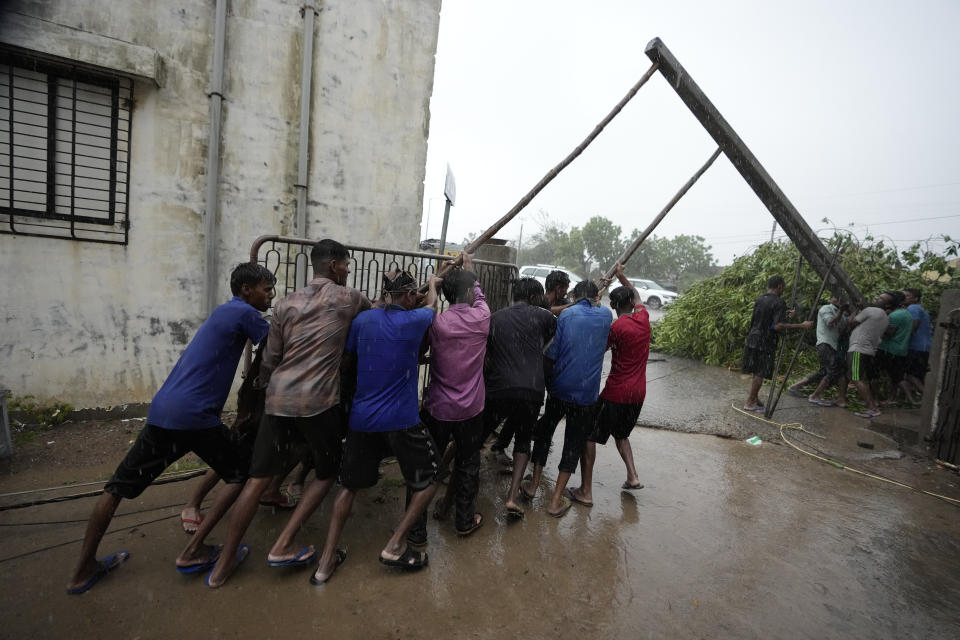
[(99, 325)]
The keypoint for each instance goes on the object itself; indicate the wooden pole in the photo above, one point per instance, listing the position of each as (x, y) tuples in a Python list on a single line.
[(525, 200), (608, 278)]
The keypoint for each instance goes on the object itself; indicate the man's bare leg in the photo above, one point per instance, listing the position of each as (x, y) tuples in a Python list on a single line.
[(755, 383), (626, 452), (96, 527), (398, 541), (531, 488), (342, 505), (818, 392), (556, 500), (585, 491), (313, 496), (864, 390), (519, 466), (191, 517), (243, 513), (197, 550)]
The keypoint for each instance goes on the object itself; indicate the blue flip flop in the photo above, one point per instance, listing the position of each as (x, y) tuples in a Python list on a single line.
[(105, 565), (242, 552), (209, 563), (302, 559), (753, 408)]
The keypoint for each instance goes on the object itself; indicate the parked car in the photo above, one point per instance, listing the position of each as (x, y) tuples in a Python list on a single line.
[(652, 294), (540, 271)]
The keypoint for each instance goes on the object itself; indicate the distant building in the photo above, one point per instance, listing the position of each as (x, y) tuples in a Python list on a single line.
[(105, 124)]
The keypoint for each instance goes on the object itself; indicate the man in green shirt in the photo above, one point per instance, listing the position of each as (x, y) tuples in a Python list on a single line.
[(892, 352)]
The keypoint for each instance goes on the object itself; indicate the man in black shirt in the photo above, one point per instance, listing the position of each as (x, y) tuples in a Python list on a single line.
[(514, 373), (769, 313)]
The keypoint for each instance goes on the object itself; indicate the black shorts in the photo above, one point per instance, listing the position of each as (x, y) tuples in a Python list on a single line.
[(894, 365), (758, 362), (617, 418), (860, 367), (414, 448), (281, 441), (155, 449), (521, 416), (918, 363)]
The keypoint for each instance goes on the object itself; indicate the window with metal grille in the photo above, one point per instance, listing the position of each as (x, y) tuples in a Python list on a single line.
[(64, 150)]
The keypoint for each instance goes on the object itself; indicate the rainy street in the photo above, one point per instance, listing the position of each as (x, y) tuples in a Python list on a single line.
[(725, 540)]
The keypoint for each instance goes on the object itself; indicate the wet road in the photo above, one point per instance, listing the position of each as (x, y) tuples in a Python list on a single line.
[(726, 540)]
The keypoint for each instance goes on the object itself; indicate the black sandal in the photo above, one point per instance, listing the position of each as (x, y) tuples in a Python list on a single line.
[(409, 559)]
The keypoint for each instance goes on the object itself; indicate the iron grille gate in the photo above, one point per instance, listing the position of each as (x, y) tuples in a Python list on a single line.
[(947, 407), (289, 260)]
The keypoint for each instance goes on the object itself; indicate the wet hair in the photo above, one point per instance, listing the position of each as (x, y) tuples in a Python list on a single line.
[(556, 279), (249, 273), (622, 298), (526, 288), (327, 249), (585, 289), (896, 298), (914, 292), (399, 282), (775, 281), (456, 284)]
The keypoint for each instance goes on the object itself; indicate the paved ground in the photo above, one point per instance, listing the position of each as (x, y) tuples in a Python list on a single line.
[(726, 540)]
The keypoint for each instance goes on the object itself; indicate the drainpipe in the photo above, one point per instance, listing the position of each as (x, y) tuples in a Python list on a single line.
[(309, 12), (213, 161)]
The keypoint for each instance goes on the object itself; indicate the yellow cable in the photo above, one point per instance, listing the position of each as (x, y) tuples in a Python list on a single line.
[(799, 427)]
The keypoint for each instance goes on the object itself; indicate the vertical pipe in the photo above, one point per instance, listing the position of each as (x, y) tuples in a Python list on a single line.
[(443, 233), (306, 77), (213, 160)]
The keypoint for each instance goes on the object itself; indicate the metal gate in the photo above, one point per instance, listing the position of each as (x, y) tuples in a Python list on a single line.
[(946, 409)]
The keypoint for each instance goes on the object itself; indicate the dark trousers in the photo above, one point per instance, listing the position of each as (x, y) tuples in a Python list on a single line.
[(467, 435), (553, 412)]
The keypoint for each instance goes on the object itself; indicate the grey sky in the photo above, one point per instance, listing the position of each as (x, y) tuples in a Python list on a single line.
[(852, 107)]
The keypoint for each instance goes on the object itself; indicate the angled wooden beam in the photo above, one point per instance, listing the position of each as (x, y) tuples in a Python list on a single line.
[(752, 171)]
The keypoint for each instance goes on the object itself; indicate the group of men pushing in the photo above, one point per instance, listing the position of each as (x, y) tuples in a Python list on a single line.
[(340, 376), (892, 335)]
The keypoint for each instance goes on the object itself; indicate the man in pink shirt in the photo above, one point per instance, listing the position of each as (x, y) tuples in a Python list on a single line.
[(453, 402), (622, 397)]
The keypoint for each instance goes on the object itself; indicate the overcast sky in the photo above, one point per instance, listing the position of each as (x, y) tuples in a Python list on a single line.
[(852, 107)]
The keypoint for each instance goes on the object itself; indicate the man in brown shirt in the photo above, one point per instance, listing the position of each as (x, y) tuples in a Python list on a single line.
[(301, 372)]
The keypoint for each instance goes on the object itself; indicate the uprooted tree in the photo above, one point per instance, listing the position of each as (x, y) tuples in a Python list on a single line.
[(710, 321)]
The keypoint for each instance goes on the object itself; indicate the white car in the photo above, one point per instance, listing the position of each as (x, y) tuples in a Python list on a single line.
[(539, 273), (652, 294)]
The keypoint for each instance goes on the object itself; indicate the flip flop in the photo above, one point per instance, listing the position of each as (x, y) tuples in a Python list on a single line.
[(757, 408), (867, 414), (209, 563), (341, 558), (285, 503), (515, 513), (477, 523), (190, 521), (573, 497), (105, 565), (526, 494), (821, 403), (631, 487), (409, 559), (563, 510), (303, 558), (242, 552)]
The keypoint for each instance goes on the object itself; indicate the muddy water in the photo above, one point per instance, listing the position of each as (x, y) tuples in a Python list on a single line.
[(726, 540)]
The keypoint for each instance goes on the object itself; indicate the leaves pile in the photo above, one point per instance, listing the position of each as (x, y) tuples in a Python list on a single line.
[(709, 322)]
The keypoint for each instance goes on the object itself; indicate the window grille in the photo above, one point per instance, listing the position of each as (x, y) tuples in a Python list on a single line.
[(64, 150)]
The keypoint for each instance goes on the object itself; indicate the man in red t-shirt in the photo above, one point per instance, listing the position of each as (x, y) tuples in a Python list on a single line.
[(622, 396)]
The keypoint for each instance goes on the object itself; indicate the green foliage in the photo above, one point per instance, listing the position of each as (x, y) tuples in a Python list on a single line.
[(709, 322), (601, 239), (33, 414), (682, 260)]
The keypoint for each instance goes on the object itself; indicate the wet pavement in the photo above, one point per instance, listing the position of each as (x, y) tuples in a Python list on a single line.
[(726, 540)]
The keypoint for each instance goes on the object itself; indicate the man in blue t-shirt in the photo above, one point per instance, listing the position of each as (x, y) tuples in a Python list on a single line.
[(184, 416), (385, 419), (577, 355), (921, 337)]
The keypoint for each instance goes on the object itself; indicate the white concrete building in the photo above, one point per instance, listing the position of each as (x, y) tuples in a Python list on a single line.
[(106, 128)]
